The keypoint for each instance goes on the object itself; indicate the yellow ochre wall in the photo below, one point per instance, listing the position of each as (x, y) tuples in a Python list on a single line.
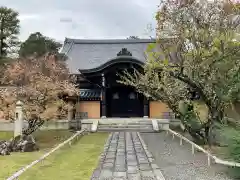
[(157, 109), (92, 107)]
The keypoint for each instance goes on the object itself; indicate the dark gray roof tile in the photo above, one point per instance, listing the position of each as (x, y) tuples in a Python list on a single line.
[(89, 54), (90, 94)]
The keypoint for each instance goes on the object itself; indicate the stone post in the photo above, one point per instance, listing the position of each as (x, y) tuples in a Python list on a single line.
[(18, 125)]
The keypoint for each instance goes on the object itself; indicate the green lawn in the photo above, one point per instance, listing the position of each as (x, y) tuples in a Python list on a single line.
[(77, 162), (45, 139)]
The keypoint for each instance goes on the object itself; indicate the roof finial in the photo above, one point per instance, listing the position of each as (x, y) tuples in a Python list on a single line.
[(124, 52)]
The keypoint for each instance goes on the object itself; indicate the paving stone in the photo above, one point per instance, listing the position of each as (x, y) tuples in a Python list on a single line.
[(131, 156), (120, 168), (107, 165), (131, 153), (125, 158), (120, 156), (147, 175), (110, 156), (136, 176), (112, 150), (112, 160), (105, 173), (119, 178), (120, 174), (143, 161), (132, 163), (120, 162), (145, 167), (132, 169), (121, 159), (105, 178)]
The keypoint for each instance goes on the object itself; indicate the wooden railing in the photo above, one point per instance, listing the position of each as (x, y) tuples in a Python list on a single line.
[(209, 155), (16, 175)]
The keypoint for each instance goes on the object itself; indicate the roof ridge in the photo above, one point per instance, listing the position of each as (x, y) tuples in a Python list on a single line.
[(108, 41)]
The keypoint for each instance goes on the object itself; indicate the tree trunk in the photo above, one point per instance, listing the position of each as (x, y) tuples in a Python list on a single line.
[(208, 134), (33, 125), (215, 115)]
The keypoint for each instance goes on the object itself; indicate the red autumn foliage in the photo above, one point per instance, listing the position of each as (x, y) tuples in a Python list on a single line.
[(38, 83)]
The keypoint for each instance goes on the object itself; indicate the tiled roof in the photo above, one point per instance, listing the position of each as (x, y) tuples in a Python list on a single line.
[(90, 54), (92, 94)]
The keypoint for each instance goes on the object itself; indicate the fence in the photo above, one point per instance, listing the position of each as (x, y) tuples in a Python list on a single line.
[(21, 171), (209, 155)]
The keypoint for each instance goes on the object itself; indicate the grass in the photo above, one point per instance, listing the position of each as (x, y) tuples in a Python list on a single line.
[(77, 162), (45, 139)]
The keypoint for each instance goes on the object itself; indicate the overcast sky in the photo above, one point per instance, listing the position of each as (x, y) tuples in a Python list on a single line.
[(85, 18)]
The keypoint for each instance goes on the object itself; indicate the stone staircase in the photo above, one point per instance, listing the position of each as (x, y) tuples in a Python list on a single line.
[(125, 125)]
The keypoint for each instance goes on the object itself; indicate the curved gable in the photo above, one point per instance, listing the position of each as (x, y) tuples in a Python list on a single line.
[(117, 60), (95, 54)]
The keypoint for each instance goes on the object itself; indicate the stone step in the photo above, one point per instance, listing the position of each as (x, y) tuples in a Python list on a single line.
[(125, 125), (129, 121), (145, 128), (124, 130)]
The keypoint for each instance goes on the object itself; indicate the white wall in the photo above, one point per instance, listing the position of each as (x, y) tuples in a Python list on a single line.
[(54, 124)]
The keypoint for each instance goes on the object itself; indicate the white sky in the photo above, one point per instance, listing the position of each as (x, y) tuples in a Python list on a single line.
[(85, 18)]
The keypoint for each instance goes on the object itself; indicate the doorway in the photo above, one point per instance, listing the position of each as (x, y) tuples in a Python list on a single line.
[(124, 101)]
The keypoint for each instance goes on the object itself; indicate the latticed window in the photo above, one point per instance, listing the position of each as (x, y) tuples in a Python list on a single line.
[(115, 96), (132, 96)]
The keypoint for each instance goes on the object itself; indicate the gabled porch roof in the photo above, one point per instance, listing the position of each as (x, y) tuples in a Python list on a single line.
[(90, 54)]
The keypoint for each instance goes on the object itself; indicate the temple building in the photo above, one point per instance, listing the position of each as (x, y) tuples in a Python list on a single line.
[(97, 63)]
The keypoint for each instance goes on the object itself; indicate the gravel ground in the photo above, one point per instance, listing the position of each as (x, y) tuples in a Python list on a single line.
[(177, 162)]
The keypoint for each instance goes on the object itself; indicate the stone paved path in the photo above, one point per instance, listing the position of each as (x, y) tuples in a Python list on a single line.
[(126, 157)]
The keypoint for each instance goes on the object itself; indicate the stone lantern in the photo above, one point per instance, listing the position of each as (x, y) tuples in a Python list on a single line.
[(18, 125)]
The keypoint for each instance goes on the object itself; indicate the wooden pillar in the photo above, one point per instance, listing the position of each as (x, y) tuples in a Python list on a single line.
[(73, 122), (74, 109), (104, 109), (145, 107), (70, 110)]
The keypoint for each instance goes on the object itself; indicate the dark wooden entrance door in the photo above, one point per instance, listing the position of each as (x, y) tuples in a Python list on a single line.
[(125, 102)]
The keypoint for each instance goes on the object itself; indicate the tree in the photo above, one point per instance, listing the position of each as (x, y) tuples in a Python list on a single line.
[(204, 39), (158, 87), (39, 83), (9, 29), (38, 45), (162, 87), (201, 51)]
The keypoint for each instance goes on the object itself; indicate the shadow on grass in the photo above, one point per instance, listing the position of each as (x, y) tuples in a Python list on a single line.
[(46, 140)]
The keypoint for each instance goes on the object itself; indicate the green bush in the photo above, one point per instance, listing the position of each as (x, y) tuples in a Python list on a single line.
[(234, 153), (230, 136)]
